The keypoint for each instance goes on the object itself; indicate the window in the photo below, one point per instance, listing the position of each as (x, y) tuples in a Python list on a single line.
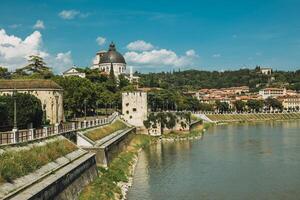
[(134, 109), (127, 112), (127, 104), (130, 117)]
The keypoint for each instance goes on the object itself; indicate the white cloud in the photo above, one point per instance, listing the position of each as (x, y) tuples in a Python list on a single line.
[(191, 52), (101, 40), (39, 25), (161, 57), (68, 14), (61, 61), (71, 14), (14, 52), (216, 55), (139, 45)]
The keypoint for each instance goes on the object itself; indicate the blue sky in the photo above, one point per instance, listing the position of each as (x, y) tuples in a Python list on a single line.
[(172, 34)]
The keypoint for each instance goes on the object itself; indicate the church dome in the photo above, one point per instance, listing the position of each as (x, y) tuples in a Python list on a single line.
[(112, 56)]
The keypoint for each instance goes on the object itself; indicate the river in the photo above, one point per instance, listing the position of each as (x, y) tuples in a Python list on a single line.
[(236, 161)]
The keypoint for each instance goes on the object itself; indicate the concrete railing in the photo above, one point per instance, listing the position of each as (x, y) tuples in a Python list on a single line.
[(19, 136)]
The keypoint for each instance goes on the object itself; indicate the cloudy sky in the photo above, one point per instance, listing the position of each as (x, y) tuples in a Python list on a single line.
[(153, 35)]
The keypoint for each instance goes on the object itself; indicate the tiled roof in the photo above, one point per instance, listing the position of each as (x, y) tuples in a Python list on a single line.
[(28, 84)]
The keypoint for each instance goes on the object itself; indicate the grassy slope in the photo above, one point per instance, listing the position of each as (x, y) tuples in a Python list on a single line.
[(253, 116), (15, 164), (105, 186), (101, 132)]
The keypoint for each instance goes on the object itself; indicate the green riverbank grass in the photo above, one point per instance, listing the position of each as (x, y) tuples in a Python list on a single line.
[(253, 117), (195, 132), (106, 130), (105, 187), (15, 164)]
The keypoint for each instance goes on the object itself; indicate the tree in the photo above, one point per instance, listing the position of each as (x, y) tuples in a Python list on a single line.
[(111, 84), (37, 68), (76, 91), (29, 110), (222, 106), (240, 105), (255, 105), (272, 103), (4, 72)]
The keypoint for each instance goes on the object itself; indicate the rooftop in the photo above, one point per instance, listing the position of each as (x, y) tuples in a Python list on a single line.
[(29, 84)]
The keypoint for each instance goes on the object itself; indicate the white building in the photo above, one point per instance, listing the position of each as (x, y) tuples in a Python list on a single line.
[(266, 71), (104, 61), (290, 102), (272, 92), (48, 92), (73, 72), (134, 108)]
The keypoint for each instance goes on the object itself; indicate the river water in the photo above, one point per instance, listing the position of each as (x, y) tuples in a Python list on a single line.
[(237, 161)]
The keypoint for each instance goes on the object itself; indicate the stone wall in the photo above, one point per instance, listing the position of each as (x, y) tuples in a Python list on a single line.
[(66, 183), (134, 108), (107, 151)]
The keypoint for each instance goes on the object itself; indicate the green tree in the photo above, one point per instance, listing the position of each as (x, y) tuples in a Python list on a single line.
[(272, 103), (29, 110), (36, 68), (255, 105), (111, 84), (4, 72), (222, 106), (240, 105), (76, 91)]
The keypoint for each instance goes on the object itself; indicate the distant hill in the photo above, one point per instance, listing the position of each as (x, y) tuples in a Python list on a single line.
[(195, 79)]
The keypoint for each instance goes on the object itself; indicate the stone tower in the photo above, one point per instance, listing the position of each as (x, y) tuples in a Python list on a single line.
[(134, 108)]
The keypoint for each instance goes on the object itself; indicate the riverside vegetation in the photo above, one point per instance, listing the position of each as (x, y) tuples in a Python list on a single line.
[(106, 130), (106, 187), (18, 163)]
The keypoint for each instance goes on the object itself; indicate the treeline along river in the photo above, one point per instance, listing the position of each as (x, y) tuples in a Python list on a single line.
[(236, 161)]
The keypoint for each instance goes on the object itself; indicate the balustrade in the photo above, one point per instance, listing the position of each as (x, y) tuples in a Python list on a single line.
[(17, 136)]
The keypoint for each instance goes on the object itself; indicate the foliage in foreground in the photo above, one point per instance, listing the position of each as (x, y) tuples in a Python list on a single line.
[(101, 132), (29, 110), (15, 164), (105, 186)]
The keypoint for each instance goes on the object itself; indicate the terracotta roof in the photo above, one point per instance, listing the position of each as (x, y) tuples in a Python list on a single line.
[(28, 84)]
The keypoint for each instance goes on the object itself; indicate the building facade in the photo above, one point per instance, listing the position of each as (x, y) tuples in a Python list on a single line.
[(73, 72), (111, 58), (266, 71), (290, 102), (48, 92), (134, 108), (272, 92)]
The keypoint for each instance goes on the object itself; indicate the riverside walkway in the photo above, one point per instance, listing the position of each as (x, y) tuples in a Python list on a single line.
[(21, 136)]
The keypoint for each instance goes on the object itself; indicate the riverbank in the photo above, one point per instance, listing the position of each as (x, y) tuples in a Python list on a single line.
[(113, 182), (221, 118), (195, 133)]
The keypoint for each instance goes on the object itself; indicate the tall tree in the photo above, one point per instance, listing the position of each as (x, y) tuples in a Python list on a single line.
[(240, 105), (29, 110), (255, 105), (111, 83), (36, 68), (4, 72)]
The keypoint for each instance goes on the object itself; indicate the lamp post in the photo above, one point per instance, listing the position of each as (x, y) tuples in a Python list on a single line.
[(56, 107), (15, 109), (85, 101)]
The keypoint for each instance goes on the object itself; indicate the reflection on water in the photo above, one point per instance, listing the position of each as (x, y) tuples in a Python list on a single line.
[(241, 161)]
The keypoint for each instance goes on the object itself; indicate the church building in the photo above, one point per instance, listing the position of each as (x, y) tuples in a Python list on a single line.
[(104, 61)]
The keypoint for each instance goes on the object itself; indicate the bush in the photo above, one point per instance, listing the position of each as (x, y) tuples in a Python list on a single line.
[(14, 164)]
